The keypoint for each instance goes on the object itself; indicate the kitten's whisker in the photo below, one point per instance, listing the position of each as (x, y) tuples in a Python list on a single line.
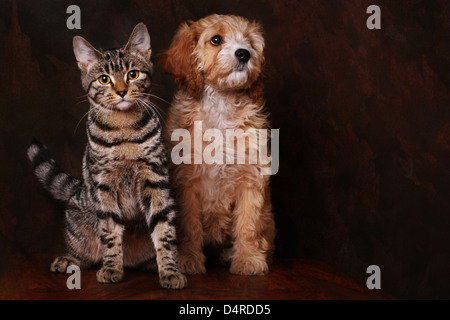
[(151, 106), (83, 96), (141, 108), (96, 114), (76, 127), (143, 105), (155, 105), (155, 96), (155, 84)]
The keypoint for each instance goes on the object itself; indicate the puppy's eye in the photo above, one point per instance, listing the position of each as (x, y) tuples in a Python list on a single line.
[(216, 40), (133, 74), (104, 79)]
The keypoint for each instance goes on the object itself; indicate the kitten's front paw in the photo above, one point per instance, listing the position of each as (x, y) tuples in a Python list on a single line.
[(60, 264), (172, 280), (109, 275), (250, 266), (191, 264)]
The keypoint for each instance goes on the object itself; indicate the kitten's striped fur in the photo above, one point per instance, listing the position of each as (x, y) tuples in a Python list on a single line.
[(122, 213)]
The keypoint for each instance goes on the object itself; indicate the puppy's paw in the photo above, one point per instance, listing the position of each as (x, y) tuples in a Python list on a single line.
[(109, 275), (191, 264), (172, 280), (250, 266), (226, 256)]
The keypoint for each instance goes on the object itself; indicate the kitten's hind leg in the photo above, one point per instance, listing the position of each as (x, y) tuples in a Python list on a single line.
[(61, 264)]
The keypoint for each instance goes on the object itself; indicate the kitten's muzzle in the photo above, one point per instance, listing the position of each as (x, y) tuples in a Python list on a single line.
[(122, 93)]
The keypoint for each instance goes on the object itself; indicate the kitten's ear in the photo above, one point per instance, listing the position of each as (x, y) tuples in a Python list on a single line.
[(140, 41), (85, 53)]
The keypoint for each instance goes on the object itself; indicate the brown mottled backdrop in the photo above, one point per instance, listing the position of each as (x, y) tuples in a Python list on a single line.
[(364, 119)]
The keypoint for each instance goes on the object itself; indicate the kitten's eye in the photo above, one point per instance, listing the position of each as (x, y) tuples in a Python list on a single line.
[(133, 74), (104, 79), (216, 40)]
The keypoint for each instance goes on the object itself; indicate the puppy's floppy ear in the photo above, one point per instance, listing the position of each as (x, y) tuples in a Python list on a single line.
[(256, 89), (179, 61)]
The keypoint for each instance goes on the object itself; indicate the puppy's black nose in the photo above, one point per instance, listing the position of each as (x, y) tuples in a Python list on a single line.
[(122, 93), (243, 55)]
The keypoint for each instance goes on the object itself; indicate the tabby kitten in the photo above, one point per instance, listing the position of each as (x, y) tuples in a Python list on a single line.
[(122, 213)]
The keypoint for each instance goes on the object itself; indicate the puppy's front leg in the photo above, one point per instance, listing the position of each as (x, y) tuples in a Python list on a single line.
[(250, 245), (192, 259)]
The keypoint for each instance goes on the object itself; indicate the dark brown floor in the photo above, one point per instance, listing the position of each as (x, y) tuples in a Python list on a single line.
[(28, 277)]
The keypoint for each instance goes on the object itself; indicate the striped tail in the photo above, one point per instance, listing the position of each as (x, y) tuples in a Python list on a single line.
[(61, 185)]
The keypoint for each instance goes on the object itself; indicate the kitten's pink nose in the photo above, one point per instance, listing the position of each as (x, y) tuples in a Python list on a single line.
[(122, 93)]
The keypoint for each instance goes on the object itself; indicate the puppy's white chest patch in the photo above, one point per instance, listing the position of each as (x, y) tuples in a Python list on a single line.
[(216, 111)]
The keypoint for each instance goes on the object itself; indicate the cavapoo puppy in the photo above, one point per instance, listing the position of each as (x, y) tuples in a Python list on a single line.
[(217, 63)]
